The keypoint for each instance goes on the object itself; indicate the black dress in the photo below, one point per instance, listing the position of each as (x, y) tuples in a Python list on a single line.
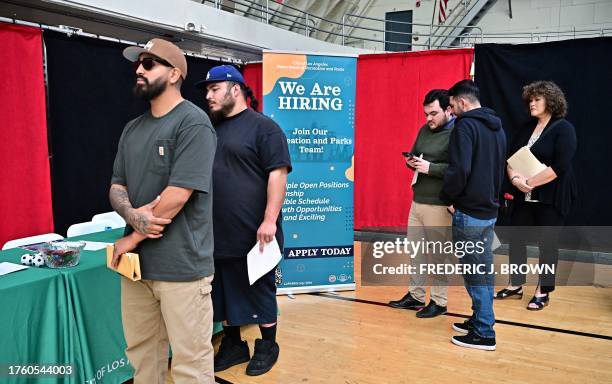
[(555, 148)]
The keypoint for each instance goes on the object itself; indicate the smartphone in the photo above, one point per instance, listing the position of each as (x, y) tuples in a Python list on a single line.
[(408, 154)]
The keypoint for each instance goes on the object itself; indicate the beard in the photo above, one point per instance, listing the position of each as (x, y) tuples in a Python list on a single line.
[(437, 126), (457, 111), (149, 91), (226, 107)]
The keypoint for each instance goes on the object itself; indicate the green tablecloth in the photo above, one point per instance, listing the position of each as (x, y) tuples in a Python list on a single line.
[(71, 315)]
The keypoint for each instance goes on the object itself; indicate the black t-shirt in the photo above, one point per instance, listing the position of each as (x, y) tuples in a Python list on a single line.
[(249, 146)]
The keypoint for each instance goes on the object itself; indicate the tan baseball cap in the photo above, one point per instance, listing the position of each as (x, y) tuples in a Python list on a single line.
[(163, 49)]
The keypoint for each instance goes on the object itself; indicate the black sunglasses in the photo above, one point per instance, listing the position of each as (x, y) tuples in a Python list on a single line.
[(149, 62)]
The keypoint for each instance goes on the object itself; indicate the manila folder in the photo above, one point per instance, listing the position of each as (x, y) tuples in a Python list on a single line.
[(525, 163), (129, 264)]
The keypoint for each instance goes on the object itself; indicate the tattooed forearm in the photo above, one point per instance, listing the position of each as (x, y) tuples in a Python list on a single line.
[(139, 222), (120, 200)]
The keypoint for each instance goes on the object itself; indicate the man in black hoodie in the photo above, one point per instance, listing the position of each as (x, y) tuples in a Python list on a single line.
[(472, 184)]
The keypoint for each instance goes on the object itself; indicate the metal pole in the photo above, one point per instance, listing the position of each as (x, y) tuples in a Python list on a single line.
[(267, 11), (344, 23), (307, 24), (385, 36), (433, 15), (261, 12)]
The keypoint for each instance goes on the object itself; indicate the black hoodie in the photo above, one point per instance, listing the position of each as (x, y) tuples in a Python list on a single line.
[(477, 150)]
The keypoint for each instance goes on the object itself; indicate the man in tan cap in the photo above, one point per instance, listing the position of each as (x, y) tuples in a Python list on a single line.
[(164, 166)]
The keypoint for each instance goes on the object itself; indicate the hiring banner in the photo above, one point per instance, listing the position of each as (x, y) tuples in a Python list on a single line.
[(312, 98)]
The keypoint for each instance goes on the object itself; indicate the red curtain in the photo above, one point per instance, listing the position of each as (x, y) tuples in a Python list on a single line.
[(25, 190), (253, 75), (389, 112)]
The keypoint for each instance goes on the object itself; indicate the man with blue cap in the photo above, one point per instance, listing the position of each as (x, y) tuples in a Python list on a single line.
[(249, 183)]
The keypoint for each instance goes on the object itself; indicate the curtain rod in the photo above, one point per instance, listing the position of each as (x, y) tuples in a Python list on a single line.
[(69, 30)]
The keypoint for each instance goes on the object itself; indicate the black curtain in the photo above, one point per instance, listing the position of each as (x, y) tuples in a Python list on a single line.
[(89, 102), (582, 69)]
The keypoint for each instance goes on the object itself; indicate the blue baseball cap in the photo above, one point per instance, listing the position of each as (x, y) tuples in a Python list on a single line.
[(221, 73)]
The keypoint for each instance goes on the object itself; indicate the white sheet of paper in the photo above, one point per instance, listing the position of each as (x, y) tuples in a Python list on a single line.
[(416, 174), (496, 243), (260, 263), (95, 245), (525, 163), (6, 268)]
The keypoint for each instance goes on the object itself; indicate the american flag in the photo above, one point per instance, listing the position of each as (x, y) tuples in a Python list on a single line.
[(443, 10)]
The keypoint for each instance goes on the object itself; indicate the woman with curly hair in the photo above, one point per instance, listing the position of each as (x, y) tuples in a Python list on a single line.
[(545, 198)]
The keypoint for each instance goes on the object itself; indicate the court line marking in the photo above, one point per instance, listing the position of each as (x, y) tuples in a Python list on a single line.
[(497, 321)]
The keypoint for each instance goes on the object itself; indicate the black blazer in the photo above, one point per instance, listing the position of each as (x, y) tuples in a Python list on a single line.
[(555, 148)]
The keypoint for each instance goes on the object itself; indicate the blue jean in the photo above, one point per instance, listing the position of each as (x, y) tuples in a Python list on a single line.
[(479, 285)]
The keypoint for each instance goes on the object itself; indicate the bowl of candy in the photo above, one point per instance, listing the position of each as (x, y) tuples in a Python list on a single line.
[(62, 254)]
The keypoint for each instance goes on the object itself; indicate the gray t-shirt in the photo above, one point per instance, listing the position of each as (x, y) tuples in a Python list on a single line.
[(178, 150)]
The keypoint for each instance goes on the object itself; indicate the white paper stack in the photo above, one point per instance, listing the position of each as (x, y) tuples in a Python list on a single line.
[(6, 268), (95, 245)]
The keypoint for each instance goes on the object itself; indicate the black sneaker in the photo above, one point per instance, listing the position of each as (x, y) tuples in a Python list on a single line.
[(407, 302), (464, 327), (472, 340), (230, 354), (431, 310), (265, 355)]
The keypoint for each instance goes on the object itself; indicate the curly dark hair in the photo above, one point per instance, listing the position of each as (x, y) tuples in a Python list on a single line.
[(556, 104)]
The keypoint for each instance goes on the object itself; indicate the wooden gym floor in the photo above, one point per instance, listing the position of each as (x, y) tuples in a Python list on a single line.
[(354, 338)]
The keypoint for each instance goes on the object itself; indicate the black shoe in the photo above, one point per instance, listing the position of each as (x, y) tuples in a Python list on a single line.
[(407, 302), (264, 357), (464, 327), (231, 354), (472, 340), (431, 310), (506, 293), (540, 302)]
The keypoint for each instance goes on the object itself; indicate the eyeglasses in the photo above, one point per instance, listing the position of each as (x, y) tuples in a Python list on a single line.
[(149, 62)]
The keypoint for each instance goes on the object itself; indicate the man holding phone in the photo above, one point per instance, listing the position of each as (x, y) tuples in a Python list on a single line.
[(428, 217)]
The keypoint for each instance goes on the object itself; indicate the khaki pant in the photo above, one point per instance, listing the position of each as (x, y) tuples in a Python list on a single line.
[(437, 220), (158, 313)]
